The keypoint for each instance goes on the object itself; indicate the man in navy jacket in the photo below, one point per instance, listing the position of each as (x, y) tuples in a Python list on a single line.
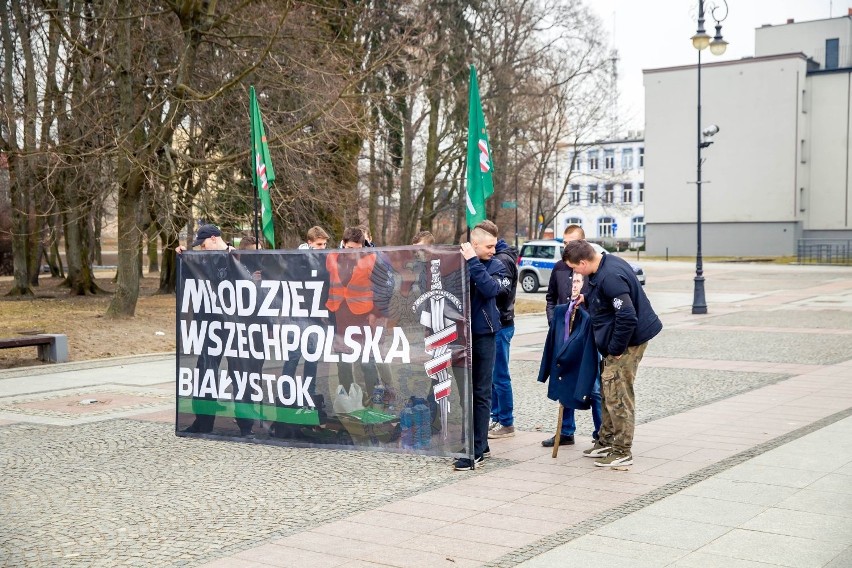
[(623, 322), (486, 282)]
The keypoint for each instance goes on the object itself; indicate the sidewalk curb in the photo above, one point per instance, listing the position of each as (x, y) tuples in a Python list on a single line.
[(83, 365)]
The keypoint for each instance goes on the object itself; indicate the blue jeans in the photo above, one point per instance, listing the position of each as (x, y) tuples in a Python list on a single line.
[(501, 393), (568, 423), (483, 367)]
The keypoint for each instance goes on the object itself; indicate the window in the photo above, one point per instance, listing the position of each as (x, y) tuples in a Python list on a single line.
[(593, 194), (609, 159), (832, 48), (627, 159), (593, 160), (609, 193), (605, 225), (538, 251), (627, 193), (641, 193), (574, 196), (574, 221), (637, 227), (641, 157)]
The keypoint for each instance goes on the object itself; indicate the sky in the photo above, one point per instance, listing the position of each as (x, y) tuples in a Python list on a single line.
[(650, 34)]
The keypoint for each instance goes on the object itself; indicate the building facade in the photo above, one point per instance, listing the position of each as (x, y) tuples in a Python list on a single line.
[(779, 168), (606, 193)]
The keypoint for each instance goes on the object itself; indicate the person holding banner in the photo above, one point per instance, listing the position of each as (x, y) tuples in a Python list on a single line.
[(486, 278), (313, 268), (350, 299), (317, 238), (502, 406), (246, 424), (209, 238)]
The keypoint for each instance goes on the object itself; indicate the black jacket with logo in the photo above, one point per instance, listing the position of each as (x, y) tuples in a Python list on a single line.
[(507, 255), (622, 316)]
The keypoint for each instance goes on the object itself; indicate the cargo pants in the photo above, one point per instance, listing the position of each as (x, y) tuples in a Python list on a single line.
[(619, 401)]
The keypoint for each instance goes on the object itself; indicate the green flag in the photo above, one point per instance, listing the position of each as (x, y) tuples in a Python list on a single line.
[(263, 173), (479, 166)]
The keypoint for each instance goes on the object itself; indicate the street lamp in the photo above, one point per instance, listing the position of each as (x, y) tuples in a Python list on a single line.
[(517, 205), (701, 41)]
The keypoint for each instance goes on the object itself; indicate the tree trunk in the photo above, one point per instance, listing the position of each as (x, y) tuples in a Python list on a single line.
[(168, 274), (153, 242), (129, 239), (17, 173), (21, 287), (80, 279), (430, 173)]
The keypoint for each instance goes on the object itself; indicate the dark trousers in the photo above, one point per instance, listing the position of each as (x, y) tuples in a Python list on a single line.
[(483, 350), (203, 423)]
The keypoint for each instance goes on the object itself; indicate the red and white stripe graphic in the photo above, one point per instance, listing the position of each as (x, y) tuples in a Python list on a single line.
[(442, 390), (443, 337), (438, 364), (484, 161), (260, 166)]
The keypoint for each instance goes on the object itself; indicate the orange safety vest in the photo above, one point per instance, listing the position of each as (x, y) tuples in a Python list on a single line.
[(358, 293)]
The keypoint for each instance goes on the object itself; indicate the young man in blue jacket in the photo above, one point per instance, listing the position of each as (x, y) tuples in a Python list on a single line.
[(623, 322), (486, 282), (502, 423)]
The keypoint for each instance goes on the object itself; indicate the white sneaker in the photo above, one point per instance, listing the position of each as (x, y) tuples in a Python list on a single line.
[(597, 451)]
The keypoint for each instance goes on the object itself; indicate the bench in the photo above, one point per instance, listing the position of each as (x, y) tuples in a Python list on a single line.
[(52, 347)]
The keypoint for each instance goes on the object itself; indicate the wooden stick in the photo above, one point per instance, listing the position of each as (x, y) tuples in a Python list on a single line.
[(558, 436)]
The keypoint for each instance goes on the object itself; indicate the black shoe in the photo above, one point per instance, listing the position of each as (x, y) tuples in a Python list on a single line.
[(464, 464), (486, 453), (563, 441)]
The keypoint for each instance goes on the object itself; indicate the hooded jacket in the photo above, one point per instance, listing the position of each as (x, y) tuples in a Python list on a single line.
[(508, 256), (621, 314), (486, 283)]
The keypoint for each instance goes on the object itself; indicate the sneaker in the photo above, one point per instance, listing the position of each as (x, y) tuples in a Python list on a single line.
[(615, 460), (501, 432), (493, 425), (599, 450), (486, 453), (464, 464), (563, 441)]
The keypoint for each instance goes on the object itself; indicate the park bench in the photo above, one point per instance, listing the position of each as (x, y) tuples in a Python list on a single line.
[(52, 347)]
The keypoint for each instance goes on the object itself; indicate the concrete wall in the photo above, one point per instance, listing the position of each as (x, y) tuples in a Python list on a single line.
[(827, 200), (750, 172), (723, 239), (806, 37)]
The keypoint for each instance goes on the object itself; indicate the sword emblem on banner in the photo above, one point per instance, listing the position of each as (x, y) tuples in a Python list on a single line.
[(444, 332)]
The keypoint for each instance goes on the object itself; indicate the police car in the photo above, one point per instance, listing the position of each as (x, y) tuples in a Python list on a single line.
[(537, 259)]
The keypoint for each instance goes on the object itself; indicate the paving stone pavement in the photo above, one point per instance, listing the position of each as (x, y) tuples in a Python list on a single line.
[(113, 486)]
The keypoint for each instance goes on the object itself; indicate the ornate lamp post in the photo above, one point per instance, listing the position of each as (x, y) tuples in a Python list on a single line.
[(701, 41)]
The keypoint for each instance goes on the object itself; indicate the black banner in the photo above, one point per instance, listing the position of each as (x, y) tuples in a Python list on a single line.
[(364, 348)]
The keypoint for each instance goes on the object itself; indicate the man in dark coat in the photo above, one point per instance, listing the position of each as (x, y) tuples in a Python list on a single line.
[(623, 322), (559, 292)]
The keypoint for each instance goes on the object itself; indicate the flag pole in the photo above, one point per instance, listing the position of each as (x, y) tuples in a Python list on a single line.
[(256, 217), (262, 175), (253, 169)]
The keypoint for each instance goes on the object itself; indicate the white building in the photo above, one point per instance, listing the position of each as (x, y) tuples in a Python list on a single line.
[(606, 194), (779, 168)]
